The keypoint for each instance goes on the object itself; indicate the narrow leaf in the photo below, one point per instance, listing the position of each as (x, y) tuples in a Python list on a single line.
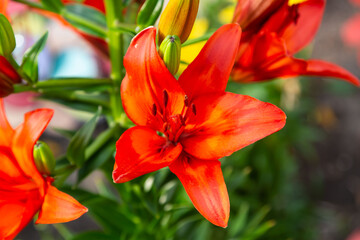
[(30, 60), (78, 144)]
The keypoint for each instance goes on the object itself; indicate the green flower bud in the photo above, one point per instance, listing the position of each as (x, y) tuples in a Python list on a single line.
[(7, 37), (149, 13), (44, 158), (170, 52)]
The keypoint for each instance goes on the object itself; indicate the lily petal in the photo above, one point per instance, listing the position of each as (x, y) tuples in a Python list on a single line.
[(250, 14), (59, 207), (146, 81), (10, 170), (139, 151), (302, 22), (210, 71), (18, 213), (3, 6), (266, 58), (228, 122), (25, 138), (6, 131), (99, 5), (9, 225), (204, 183), (327, 69)]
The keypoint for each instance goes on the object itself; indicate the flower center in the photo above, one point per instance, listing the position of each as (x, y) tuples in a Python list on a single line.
[(174, 124)]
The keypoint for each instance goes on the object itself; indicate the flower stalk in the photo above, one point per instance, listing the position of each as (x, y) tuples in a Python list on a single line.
[(116, 42)]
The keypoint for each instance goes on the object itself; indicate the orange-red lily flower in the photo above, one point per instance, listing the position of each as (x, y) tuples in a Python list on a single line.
[(273, 35), (98, 4), (23, 190), (190, 123), (8, 77), (3, 6)]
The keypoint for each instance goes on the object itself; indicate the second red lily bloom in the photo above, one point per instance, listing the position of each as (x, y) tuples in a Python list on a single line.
[(24, 191), (274, 35), (189, 124)]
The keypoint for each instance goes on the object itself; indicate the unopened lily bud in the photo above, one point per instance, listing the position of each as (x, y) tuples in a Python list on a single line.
[(178, 19), (7, 37), (170, 52), (44, 158), (293, 2), (8, 77)]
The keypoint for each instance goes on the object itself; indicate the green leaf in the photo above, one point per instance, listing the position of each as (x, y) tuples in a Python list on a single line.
[(81, 139), (30, 60), (239, 223), (93, 235), (108, 214), (73, 105), (149, 13), (53, 5), (96, 161), (87, 19), (260, 231)]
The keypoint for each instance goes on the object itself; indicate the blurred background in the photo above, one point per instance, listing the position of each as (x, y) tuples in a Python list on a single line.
[(300, 183)]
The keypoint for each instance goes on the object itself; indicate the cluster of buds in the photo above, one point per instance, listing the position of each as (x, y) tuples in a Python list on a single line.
[(8, 75), (175, 25)]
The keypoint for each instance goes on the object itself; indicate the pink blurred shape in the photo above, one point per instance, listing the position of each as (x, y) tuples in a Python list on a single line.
[(356, 2), (355, 235), (350, 32)]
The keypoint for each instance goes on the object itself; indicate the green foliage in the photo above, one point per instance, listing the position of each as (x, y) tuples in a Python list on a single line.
[(149, 13), (81, 139), (53, 5), (30, 60), (7, 37), (87, 19)]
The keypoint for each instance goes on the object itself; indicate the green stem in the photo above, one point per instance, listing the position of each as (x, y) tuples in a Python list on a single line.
[(84, 22), (197, 40), (31, 4), (115, 39), (64, 169), (100, 141), (63, 82), (76, 97), (15, 65), (73, 82), (64, 232)]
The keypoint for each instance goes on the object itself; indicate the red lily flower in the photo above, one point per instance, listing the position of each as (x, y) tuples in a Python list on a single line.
[(351, 33), (8, 77), (3, 6), (355, 2), (98, 4), (23, 190), (281, 32), (199, 122)]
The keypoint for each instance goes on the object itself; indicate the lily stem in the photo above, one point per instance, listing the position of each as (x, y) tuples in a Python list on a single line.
[(61, 83), (64, 232), (114, 18), (100, 141)]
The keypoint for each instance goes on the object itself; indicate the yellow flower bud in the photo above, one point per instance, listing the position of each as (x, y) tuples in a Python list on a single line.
[(178, 19)]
